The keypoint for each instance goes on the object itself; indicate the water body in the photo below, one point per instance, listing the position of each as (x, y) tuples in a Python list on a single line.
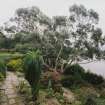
[(97, 67)]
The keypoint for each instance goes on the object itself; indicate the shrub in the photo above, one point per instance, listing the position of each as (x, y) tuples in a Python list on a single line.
[(76, 75), (15, 65), (67, 81), (90, 101), (2, 68), (72, 81), (73, 76), (74, 69), (33, 67), (94, 79)]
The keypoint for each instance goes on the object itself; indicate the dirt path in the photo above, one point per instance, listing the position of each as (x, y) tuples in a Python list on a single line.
[(8, 91)]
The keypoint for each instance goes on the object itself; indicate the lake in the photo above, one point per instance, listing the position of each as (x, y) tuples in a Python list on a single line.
[(97, 67)]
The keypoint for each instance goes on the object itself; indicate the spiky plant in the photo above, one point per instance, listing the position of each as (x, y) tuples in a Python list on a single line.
[(33, 67)]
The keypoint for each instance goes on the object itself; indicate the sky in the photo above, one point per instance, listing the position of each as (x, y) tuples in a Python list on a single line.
[(97, 67), (50, 7)]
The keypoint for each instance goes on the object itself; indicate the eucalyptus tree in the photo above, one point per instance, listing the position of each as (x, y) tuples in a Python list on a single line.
[(75, 37), (28, 25), (57, 38), (28, 20), (85, 34)]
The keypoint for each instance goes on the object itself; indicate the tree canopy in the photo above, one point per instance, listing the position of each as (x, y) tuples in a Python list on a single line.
[(61, 39)]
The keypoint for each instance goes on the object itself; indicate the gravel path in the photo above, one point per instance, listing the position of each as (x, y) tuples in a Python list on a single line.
[(8, 91)]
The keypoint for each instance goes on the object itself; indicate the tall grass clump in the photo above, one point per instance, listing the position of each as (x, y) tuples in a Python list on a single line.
[(33, 67)]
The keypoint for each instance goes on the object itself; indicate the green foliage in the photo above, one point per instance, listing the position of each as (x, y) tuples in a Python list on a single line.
[(60, 98), (49, 84), (72, 81), (100, 101), (88, 95), (50, 93), (73, 76), (23, 87), (5, 42), (90, 101), (23, 47), (33, 67), (25, 90), (76, 75), (10, 55), (93, 78), (2, 40), (15, 65), (1, 77), (73, 69), (2, 69), (58, 41)]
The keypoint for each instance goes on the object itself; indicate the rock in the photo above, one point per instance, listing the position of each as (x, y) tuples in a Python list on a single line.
[(68, 96), (52, 102)]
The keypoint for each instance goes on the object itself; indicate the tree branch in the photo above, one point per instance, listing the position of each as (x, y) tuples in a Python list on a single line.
[(60, 51)]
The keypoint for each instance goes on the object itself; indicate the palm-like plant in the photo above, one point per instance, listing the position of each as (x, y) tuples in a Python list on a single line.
[(33, 67)]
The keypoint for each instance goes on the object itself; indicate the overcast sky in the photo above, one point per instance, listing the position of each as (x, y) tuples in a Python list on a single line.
[(50, 7)]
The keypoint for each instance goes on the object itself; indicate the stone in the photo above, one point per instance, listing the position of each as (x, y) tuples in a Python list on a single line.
[(9, 91), (68, 96), (12, 101)]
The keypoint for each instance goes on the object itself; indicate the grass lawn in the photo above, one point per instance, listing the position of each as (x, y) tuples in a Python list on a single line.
[(7, 55)]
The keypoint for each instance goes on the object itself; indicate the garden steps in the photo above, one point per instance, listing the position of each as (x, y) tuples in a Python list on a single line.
[(9, 95)]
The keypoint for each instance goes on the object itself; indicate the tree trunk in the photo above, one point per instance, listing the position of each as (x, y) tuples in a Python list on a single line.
[(60, 51)]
